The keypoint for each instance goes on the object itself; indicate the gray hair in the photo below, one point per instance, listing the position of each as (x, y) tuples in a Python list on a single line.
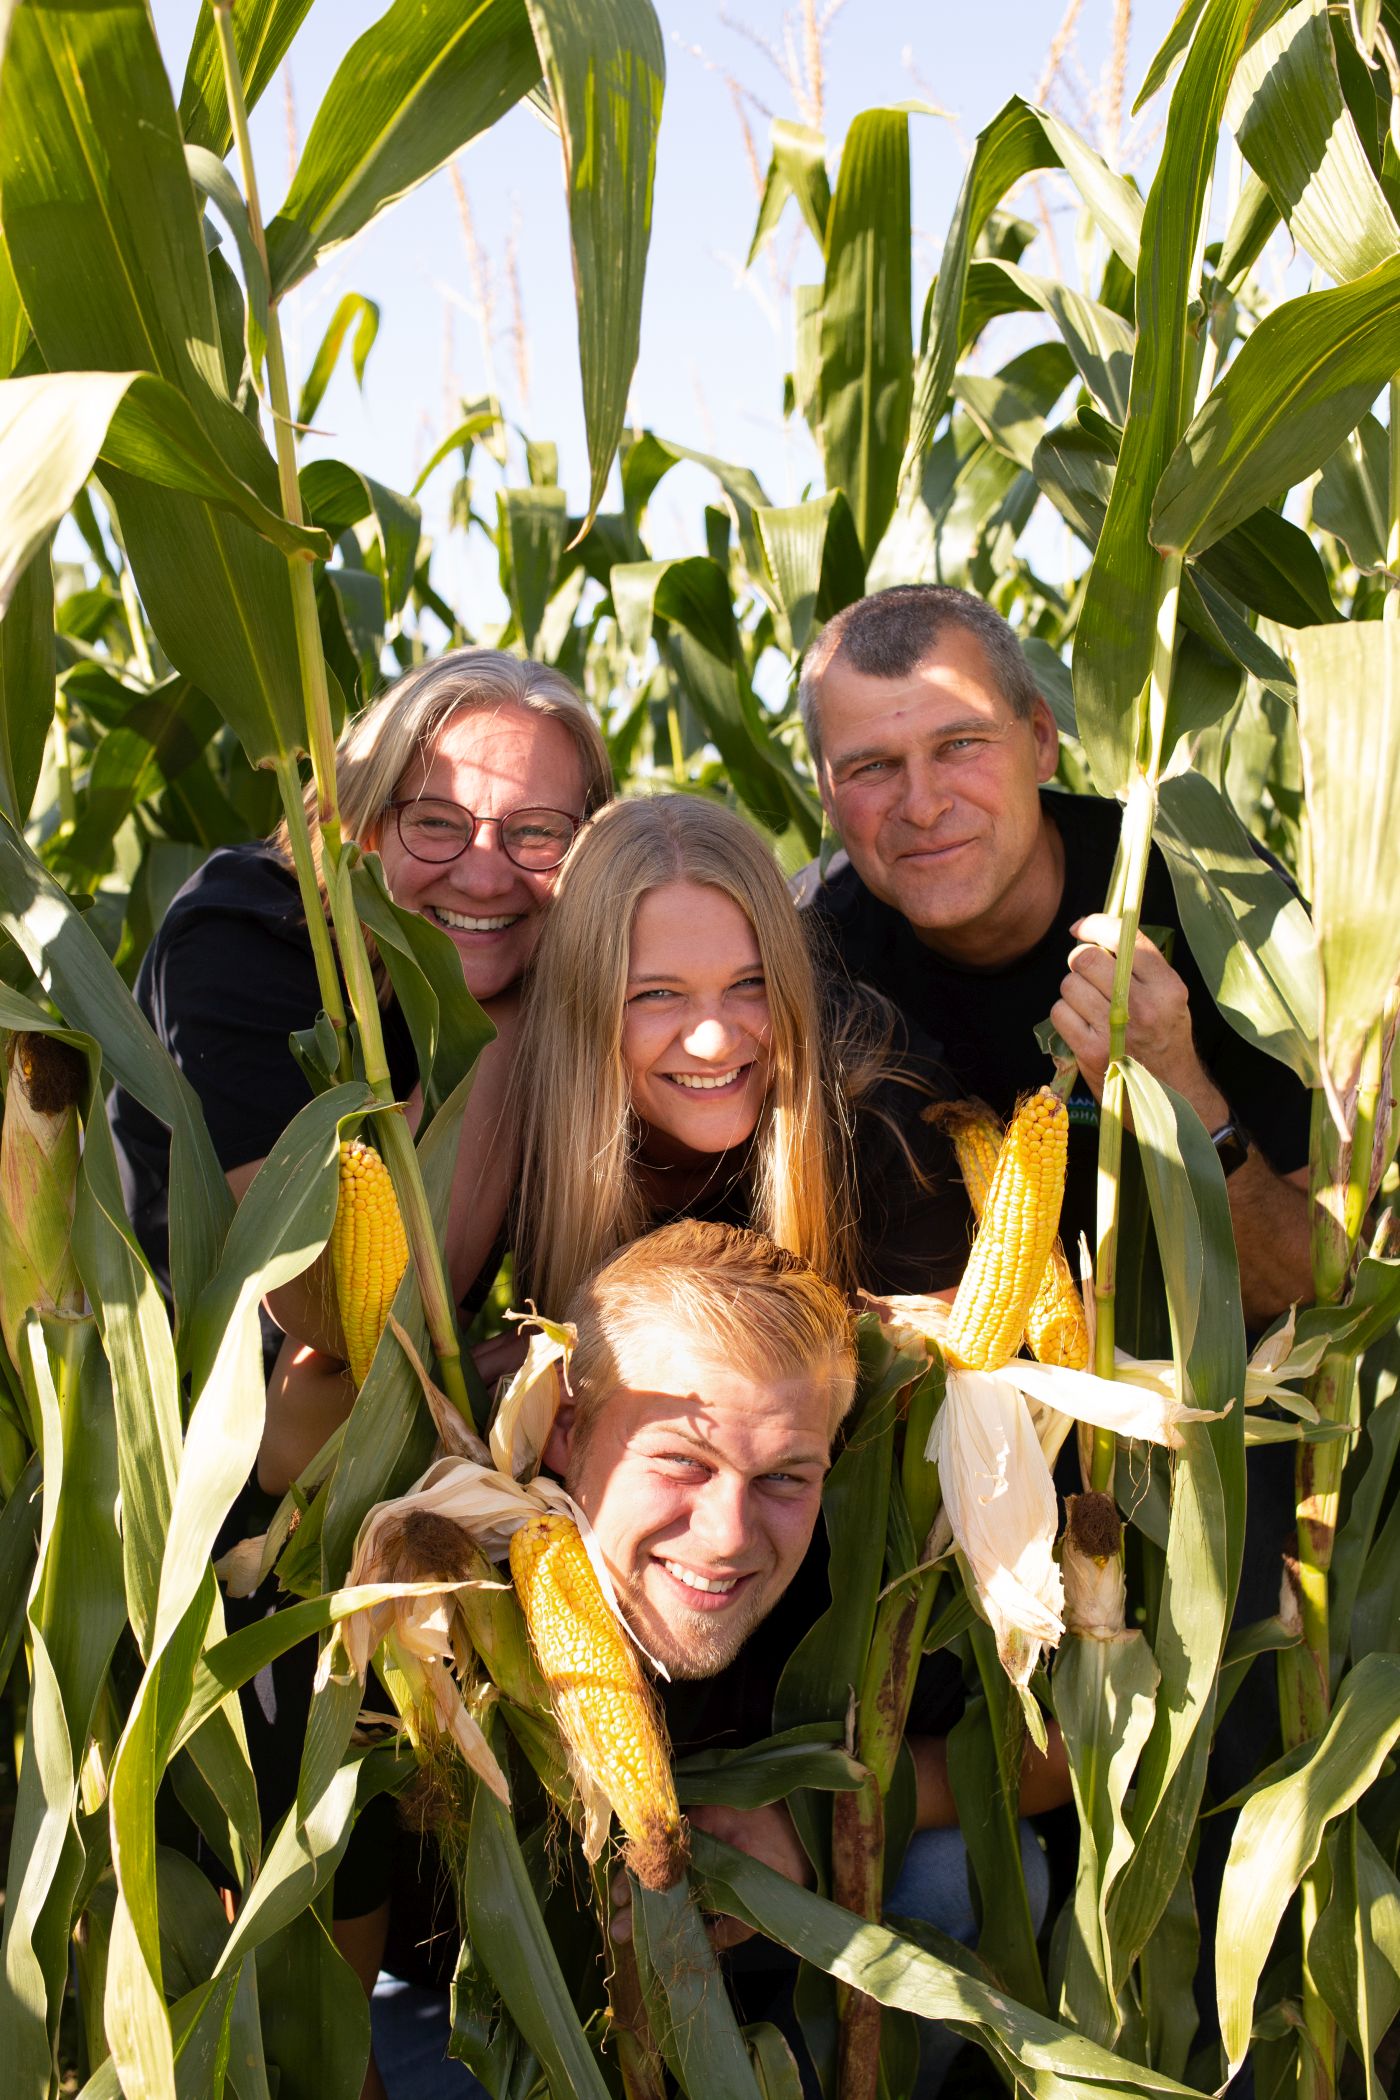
[(378, 746), (888, 635)]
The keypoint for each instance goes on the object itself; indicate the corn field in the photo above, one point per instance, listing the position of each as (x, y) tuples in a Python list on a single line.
[(1221, 466)]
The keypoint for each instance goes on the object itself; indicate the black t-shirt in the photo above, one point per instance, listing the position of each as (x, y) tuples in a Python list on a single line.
[(913, 1220), (985, 1020), (227, 979), (735, 1708)]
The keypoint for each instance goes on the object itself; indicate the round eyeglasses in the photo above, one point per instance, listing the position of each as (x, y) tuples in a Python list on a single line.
[(534, 839)]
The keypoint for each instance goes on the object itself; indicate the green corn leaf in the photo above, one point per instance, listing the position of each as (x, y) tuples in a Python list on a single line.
[(75, 1616), (984, 1745), (1191, 1215), (54, 428), (1047, 2059), (1105, 1702), (214, 182), (1304, 379), (1281, 1830), (1354, 1949), (531, 530), (481, 424), (337, 496), (865, 379), (1176, 41), (692, 597), (14, 322), (71, 964), (1247, 235), (1099, 340), (1287, 111), (686, 1997), (449, 1029), (814, 558), (407, 95), (26, 684), (1114, 640), (314, 2015), (606, 70), (807, 1756), (104, 235), (1249, 933), (1349, 724), (262, 33), (1019, 141), (354, 311), (504, 1921), (797, 169), (1351, 496)]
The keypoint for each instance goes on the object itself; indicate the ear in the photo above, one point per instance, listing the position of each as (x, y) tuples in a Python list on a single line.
[(1045, 731), (559, 1444)]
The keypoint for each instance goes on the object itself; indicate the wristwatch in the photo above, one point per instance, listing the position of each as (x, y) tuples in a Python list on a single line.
[(1231, 1142)]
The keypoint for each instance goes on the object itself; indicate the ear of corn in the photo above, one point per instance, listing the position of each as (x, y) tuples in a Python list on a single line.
[(604, 1707), (1056, 1330), (38, 1180), (1018, 1227), (369, 1252)]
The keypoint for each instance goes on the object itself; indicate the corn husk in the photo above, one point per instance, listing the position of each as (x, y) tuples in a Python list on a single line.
[(38, 1180), (528, 1406), (1091, 1564)]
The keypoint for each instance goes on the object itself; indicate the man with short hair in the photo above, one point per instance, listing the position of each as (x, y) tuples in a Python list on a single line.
[(972, 898), (712, 1372)]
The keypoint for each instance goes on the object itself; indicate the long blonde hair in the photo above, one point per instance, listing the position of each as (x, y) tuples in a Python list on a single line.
[(579, 1193)]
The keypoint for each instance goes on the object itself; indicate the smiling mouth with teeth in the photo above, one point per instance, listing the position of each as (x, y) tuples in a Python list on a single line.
[(463, 923), (708, 1083), (708, 1585)]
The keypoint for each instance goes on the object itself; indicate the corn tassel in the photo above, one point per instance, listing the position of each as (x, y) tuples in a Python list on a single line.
[(369, 1252), (604, 1707), (1014, 1238), (1056, 1330)]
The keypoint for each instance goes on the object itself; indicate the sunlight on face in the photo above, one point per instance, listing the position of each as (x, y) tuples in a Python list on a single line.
[(703, 1486), (696, 1024)]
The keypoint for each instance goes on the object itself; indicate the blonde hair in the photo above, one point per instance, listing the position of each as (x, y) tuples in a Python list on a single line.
[(378, 745), (579, 1197), (751, 1304)]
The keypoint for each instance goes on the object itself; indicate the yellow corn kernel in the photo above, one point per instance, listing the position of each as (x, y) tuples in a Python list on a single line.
[(604, 1707), (1014, 1238), (1056, 1329), (369, 1252), (975, 1133)]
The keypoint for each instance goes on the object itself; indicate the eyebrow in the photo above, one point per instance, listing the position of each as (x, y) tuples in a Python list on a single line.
[(748, 969), (972, 722), (778, 1465)]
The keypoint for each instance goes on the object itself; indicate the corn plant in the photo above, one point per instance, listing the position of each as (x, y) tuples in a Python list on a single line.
[(1224, 659)]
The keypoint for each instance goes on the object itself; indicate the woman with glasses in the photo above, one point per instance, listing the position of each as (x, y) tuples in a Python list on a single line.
[(469, 777)]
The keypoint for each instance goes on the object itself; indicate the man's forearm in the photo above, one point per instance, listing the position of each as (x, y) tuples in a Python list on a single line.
[(1269, 1213), (1044, 1780)]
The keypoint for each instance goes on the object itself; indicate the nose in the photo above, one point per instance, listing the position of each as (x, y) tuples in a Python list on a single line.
[(719, 1520), (709, 1039), (485, 869), (925, 798)]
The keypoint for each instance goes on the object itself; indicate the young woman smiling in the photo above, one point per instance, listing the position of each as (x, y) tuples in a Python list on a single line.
[(681, 1055)]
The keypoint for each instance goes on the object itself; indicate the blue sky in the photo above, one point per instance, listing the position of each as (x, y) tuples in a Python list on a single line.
[(715, 341)]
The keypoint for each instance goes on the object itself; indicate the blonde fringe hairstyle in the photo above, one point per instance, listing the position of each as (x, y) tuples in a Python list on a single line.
[(579, 1198), (377, 747), (746, 1301)]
